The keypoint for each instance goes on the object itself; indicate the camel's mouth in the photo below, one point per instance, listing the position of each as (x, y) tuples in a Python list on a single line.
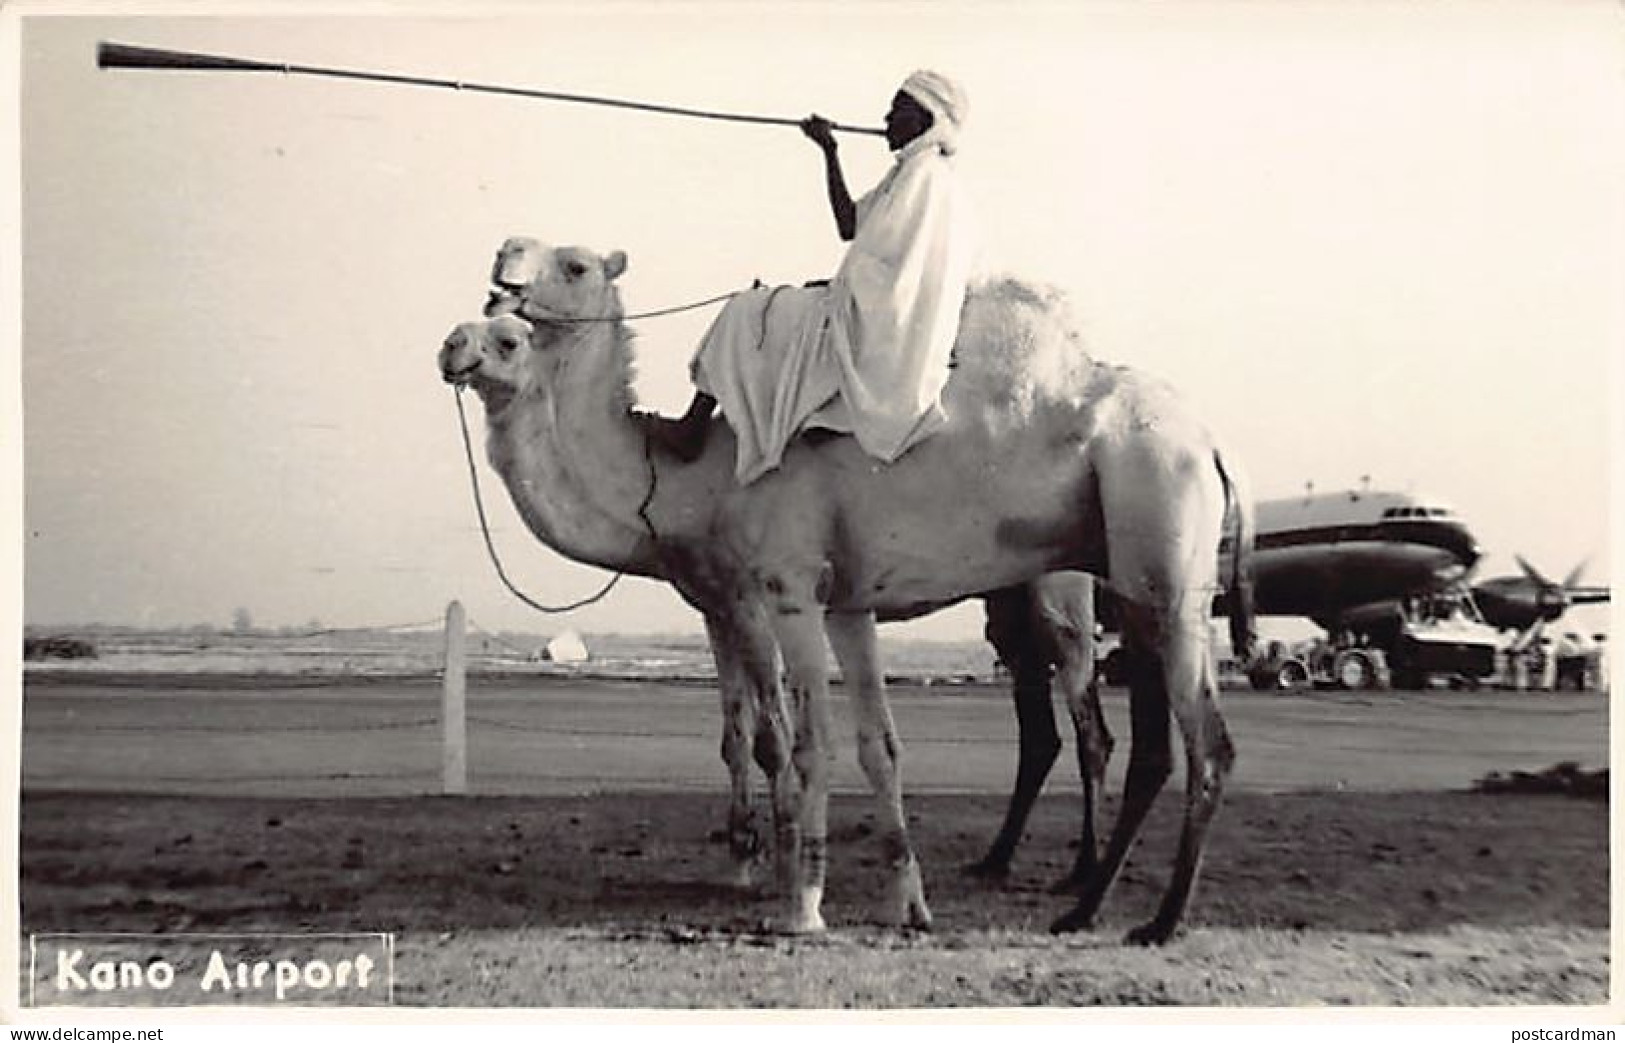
[(504, 299), (460, 377)]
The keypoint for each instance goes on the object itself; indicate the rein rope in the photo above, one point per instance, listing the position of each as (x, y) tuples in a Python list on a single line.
[(648, 457), (490, 547), (718, 299)]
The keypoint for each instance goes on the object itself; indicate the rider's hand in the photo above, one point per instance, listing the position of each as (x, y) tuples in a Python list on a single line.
[(821, 131)]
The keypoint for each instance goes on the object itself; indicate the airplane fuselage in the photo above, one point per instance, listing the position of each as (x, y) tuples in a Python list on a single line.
[(1343, 558)]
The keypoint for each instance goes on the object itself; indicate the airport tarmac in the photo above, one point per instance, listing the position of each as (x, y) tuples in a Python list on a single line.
[(557, 737)]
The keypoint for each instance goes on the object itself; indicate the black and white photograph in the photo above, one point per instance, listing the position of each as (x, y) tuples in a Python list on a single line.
[(898, 508)]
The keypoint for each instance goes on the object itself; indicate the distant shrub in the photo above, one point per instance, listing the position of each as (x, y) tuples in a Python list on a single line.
[(37, 648), (1566, 778)]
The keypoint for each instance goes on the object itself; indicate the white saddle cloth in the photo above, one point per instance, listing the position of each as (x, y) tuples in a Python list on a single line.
[(766, 361)]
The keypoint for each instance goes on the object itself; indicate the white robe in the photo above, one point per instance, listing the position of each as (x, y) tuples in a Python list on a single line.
[(869, 354)]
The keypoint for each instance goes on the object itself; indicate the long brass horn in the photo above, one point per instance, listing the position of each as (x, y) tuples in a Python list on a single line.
[(128, 56)]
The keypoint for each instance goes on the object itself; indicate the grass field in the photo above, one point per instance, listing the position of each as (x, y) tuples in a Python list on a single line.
[(1351, 863)]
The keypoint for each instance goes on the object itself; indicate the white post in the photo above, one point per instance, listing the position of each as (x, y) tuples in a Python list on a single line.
[(453, 723)]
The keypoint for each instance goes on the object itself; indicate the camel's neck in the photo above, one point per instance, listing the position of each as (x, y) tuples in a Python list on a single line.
[(572, 458)]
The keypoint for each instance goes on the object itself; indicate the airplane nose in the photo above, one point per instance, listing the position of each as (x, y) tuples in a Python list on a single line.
[(1464, 546)]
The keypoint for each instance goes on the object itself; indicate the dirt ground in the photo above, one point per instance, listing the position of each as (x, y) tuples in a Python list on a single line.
[(614, 900), (1328, 880)]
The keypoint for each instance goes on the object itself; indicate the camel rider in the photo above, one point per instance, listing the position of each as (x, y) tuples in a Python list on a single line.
[(868, 354)]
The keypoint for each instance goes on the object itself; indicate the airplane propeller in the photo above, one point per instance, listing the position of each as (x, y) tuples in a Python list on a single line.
[(1523, 601), (1551, 599)]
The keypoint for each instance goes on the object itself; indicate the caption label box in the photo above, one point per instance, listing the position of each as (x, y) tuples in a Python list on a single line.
[(189, 970)]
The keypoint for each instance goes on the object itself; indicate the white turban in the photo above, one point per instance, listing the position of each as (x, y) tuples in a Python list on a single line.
[(943, 99)]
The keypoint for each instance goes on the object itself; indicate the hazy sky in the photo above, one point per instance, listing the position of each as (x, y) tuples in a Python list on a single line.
[(1363, 239)]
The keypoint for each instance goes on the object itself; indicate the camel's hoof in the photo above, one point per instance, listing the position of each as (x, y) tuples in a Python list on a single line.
[(1076, 920), (799, 926), (992, 869), (907, 898), (914, 916), (1153, 933)]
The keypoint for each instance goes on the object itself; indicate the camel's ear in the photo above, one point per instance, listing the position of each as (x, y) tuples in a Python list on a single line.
[(614, 265)]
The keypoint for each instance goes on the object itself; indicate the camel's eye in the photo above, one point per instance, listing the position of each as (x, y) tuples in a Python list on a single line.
[(507, 345), (575, 269)]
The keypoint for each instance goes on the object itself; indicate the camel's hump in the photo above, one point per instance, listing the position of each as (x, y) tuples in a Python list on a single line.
[(1018, 344)]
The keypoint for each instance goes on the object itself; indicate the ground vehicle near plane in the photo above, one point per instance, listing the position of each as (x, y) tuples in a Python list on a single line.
[(1455, 645)]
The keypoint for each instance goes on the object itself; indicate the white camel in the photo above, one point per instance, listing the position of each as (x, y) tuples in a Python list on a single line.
[(1050, 462)]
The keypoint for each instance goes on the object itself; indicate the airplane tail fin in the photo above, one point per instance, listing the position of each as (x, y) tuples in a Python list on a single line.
[(1240, 527)]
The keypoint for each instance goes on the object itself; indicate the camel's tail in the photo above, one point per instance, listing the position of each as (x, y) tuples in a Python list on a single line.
[(1239, 527)]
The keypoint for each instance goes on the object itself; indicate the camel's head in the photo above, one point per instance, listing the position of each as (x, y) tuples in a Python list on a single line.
[(492, 356), (554, 284)]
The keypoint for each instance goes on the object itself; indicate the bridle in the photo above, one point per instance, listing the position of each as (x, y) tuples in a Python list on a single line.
[(550, 316)]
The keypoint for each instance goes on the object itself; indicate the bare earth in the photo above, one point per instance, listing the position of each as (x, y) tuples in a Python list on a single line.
[(1333, 877)]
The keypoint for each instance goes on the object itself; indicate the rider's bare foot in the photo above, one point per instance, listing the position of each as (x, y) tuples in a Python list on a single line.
[(684, 438)]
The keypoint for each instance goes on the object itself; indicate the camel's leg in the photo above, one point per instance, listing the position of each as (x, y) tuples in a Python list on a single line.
[(1149, 765), (1063, 615), (1094, 741), (738, 725), (797, 620), (1065, 611), (774, 740), (1164, 509), (1010, 631), (1209, 755), (852, 635)]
